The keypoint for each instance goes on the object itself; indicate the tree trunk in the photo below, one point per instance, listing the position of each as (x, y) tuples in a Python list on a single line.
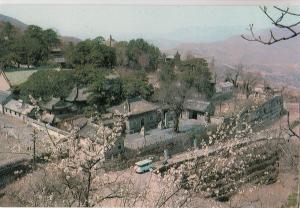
[(248, 94), (176, 123), (87, 194), (34, 152)]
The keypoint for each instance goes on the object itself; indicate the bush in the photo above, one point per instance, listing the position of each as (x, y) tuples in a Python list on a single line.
[(47, 83)]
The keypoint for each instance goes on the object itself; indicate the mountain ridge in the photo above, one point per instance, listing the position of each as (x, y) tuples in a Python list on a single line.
[(15, 22), (236, 50), (22, 26)]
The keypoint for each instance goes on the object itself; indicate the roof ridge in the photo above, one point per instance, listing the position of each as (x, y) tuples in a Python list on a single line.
[(5, 77)]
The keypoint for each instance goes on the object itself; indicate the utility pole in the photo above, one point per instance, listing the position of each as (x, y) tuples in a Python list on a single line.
[(34, 152), (110, 39)]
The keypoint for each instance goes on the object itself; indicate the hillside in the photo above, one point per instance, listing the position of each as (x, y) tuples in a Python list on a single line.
[(67, 39), (22, 26), (237, 50), (13, 21), (278, 63)]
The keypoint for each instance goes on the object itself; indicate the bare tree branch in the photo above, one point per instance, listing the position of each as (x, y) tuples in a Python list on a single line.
[(277, 23), (293, 133), (286, 10)]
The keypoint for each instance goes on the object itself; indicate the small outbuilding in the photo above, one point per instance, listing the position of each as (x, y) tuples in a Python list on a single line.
[(18, 109), (169, 58), (224, 87), (49, 105), (90, 130), (57, 107), (79, 95), (139, 113), (57, 56), (195, 109)]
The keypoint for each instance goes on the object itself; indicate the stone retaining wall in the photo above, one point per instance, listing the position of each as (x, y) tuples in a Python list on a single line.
[(221, 182), (53, 131)]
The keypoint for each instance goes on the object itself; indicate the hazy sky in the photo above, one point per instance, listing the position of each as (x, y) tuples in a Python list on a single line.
[(182, 23)]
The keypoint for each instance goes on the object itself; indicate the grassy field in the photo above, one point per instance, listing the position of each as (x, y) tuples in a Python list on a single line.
[(18, 76)]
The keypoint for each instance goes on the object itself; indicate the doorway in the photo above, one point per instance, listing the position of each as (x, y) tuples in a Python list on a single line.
[(194, 115), (142, 122)]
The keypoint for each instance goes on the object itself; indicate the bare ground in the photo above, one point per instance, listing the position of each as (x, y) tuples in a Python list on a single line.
[(267, 196)]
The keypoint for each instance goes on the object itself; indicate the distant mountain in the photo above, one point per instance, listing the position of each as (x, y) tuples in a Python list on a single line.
[(67, 39), (13, 21), (278, 63), (205, 33), (22, 26), (236, 50), (164, 44)]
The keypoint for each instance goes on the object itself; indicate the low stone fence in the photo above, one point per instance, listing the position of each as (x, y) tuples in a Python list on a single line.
[(53, 131), (221, 96), (260, 165), (265, 113), (172, 142)]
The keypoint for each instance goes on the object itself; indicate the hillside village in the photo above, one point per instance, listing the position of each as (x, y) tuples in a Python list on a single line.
[(145, 120), (127, 102)]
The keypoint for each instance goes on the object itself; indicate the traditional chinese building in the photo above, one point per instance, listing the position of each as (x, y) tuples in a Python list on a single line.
[(18, 109), (57, 57), (224, 87), (87, 129), (78, 95), (195, 109), (139, 113)]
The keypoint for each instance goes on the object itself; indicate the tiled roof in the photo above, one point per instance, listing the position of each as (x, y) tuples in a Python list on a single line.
[(225, 84), (80, 122), (134, 107), (89, 130), (17, 106), (50, 104), (82, 94), (196, 105), (78, 94), (170, 56)]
